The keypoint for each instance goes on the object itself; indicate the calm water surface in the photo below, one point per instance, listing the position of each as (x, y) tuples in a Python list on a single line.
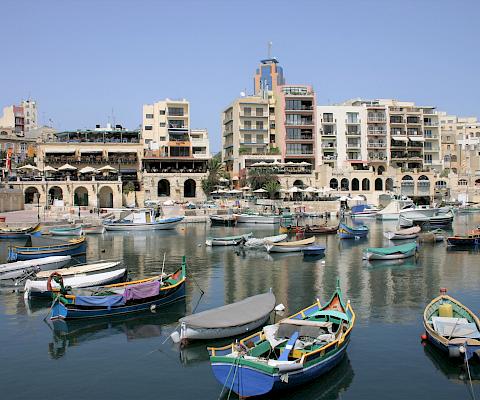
[(129, 358)]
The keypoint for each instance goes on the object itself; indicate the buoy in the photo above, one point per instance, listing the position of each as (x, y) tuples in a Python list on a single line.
[(280, 307), (443, 290), (153, 308), (423, 336)]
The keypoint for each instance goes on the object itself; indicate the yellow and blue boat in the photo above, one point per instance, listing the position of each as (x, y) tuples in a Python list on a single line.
[(40, 247), (18, 233)]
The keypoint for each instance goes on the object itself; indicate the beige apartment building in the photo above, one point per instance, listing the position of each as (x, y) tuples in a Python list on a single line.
[(21, 118)]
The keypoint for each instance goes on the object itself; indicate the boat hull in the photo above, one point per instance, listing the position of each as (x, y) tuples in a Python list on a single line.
[(259, 219), (25, 268), (94, 230), (26, 253), (463, 242), (222, 220), (142, 227), (347, 232), (395, 256), (396, 236), (59, 311)]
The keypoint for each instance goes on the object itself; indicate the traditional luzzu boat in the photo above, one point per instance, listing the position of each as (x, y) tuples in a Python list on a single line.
[(289, 247), (18, 233), (254, 243), (223, 220), (66, 231), (226, 321), (452, 327), (471, 239), (259, 219), (320, 229), (227, 240), (348, 232), (363, 211), (80, 276), (292, 352), (39, 247), (91, 229), (142, 220), (390, 253), (313, 250), (121, 298), (20, 270), (402, 234)]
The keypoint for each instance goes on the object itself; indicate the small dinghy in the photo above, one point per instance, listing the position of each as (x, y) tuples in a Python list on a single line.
[(40, 247), (100, 273), (320, 229), (90, 229), (295, 351), (472, 239), (223, 220), (8, 232), (390, 253), (226, 321), (434, 236), (289, 247), (66, 231), (256, 243), (228, 240), (348, 232), (452, 327), (313, 251), (402, 234), (15, 272)]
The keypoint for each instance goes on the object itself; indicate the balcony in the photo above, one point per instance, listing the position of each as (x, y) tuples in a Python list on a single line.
[(432, 124), (431, 136), (396, 121), (375, 120), (251, 128), (413, 121), (353, 145), (353, 122), (329, 157), (302, 108), (329, 145), (302, 122), (353, 133), (376, 145), (302, 138), (327, 133), (377, 132), (177, 126), (354, 157), (377, 158)]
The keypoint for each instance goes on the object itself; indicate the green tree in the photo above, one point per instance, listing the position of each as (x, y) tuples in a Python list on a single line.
[(216, 170), (128, 187), (258, 178), (272, 187)]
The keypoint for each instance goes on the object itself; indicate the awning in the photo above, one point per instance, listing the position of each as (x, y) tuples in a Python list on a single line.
[(82, 151), (59, 151), (400, 138), (417, 138), (122, 151)]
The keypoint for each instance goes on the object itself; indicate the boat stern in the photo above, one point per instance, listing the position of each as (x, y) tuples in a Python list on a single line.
[(58, 311)]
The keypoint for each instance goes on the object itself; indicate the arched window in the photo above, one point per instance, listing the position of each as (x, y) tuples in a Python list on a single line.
[(381, 168), (105, 197), (333, 184), (298, 183), (378, 184), (365, 184), (189, 188), (163, 189), (389, 184), (344, 184), (31, 195), (80, 197), (55, 193), (355, 184), (454, 158), (462, 182), (440, 184)]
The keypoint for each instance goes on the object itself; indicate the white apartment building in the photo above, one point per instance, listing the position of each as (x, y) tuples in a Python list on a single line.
[(22, 118)]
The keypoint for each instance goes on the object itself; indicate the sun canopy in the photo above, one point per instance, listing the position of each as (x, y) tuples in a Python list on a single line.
[(234, 191), (235, 314), (107, 168), (416, 138), (294, 189), (400, 138), (67, 167), (261, 190), (310, 189), (48, 168), (88, 170)]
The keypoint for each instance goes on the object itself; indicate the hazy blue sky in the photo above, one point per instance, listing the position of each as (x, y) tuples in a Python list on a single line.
[(81, 59)]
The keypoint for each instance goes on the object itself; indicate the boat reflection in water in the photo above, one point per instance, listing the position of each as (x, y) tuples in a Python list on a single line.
[(69, 333), (400, 264), (453, 369)]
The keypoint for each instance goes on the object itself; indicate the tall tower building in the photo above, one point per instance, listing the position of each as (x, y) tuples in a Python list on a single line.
[(268, 76)]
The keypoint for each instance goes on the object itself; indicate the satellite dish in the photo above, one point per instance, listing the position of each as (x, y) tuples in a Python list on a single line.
[(242, 94)]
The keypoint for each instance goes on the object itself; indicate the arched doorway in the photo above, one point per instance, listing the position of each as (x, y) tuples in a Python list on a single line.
[(105, 197), (55, 193), (163, 189), (298, 183), (31, 195), (355, 185), (381, 170), (333, 184), (80, 197), (389, 185), (344, 184), (378, 184), (189, 188), (423, 186), (407, 185), (366, 184)]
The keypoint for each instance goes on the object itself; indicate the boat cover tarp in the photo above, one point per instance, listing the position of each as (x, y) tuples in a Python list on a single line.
[(235, 314), (403, 248), (360, 208), (455, 327), (100, 301), (142, 290), (408, 231)]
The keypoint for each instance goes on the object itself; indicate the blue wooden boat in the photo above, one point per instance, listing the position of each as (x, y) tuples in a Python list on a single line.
[(313, 251), (348, 232), (18, 233), (295, 351), (120, 298), (40, 247), (452, 327)]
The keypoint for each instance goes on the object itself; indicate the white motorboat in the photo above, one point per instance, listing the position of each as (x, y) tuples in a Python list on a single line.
[(256, 243), (258, 219), (227, 240), (392, 211), (21, 270), (226, 321), (289, 247), (425, 216), (142, 220), (402, 234)]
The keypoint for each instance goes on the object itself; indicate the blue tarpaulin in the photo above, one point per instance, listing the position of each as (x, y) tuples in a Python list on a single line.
[(100, 301)]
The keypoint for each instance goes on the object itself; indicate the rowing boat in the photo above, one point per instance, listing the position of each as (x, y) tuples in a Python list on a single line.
[(142, 220), (66, 231), (39, 247), (452, 327), (297, 350), (402, 234), (348, 232), (20, 270), (226, 321), (18, 233), (472, 239), (223, 220), (227, 240), (320, 229), (313, 251), (390, 253), (255, 243), (90, 229), (121, 298), (289, 247)]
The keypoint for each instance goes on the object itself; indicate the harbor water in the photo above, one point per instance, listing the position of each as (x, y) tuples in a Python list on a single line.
[(133, 357)]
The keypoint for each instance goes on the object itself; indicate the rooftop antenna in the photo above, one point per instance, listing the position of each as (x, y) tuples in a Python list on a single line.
[(270, 50)]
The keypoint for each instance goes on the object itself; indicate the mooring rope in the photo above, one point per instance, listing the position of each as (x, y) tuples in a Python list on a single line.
[(469, 375), (226, 380)]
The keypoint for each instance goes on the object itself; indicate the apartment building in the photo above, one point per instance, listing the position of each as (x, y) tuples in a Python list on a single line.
[(249, 132), (19, 147), (21, 118)]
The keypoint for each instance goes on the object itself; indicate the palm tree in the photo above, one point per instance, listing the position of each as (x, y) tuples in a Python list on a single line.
[(259, 178), (215, 167), (272, 187)]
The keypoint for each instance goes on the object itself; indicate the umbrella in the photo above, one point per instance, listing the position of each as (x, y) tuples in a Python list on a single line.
[(261, 190), (260, 164), (87, 170), (310, 189), (357, 198), (305, 163), (246, 188), (235, 178), (234, 191), (327, 189), (291, 163), (214, 192), (222, 191), (276, 162), (294, 189), (223, 180), (107, 168), (48, 168), (67, 167), (28, 167), (344, 198)]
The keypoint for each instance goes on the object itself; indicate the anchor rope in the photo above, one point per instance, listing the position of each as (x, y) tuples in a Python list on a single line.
[(469, 375)]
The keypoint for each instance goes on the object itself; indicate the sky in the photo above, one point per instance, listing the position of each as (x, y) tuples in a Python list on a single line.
[(84, 61)]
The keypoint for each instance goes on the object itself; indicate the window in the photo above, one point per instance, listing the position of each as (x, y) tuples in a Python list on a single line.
[(162, 138), (247, 138), (247, 111), (162, 124), (260, 125), (327, 117), (428, 158), (247, 125), (259, 112), (175, 111), (462, 182), (352, 118), (148, 116), (162, 112), (148, 127), (260, 139), (23, 147)]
